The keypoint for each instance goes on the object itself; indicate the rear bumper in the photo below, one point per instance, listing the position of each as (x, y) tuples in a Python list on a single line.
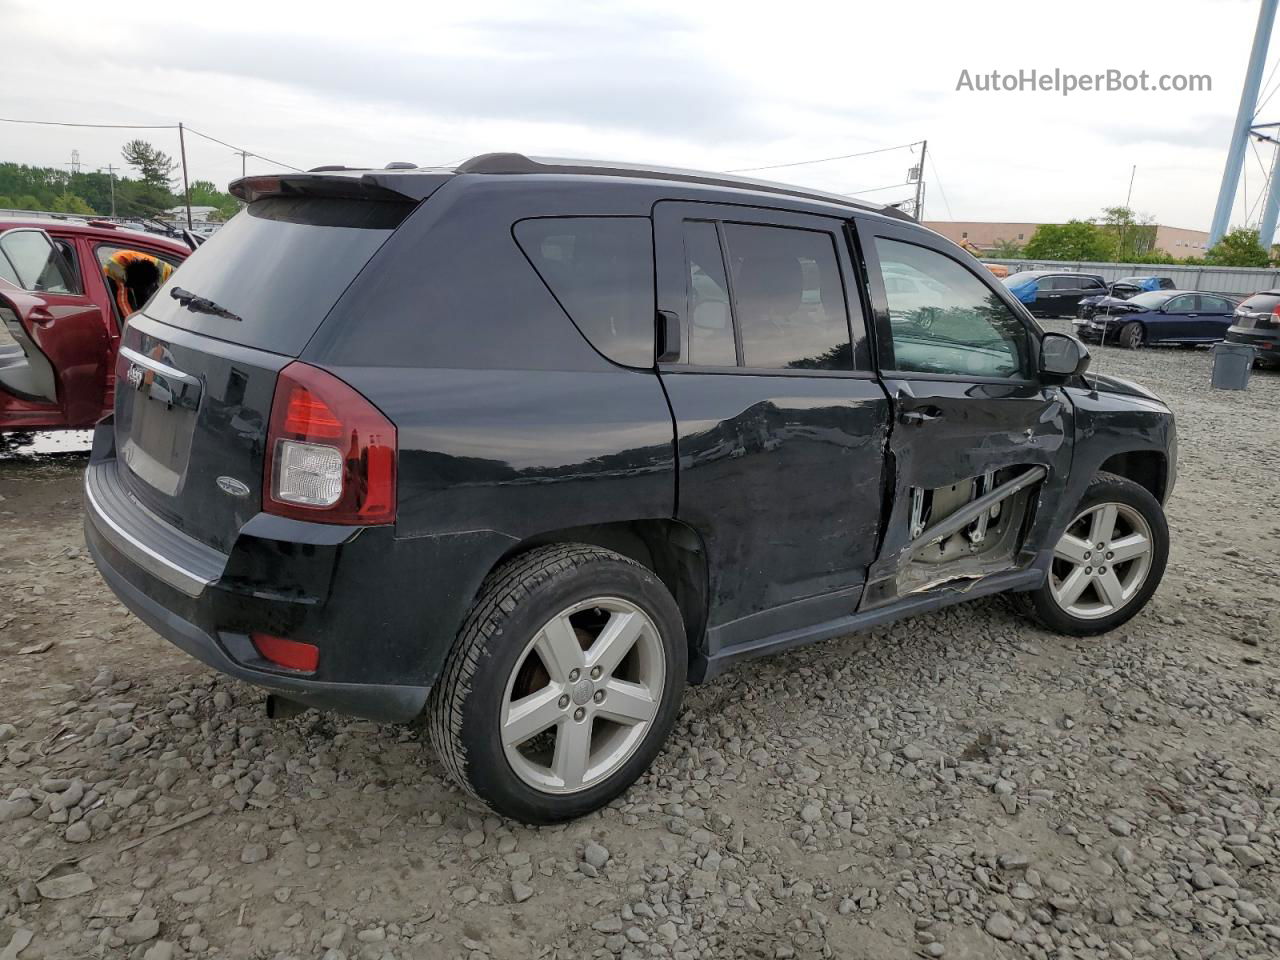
[(1265, 342), (388, 702), (341, 589)]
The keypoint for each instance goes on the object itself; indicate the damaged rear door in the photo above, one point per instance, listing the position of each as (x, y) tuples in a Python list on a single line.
[(977, 442)]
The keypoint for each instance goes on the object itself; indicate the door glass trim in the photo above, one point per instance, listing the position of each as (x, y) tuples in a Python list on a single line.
[(775, 372)]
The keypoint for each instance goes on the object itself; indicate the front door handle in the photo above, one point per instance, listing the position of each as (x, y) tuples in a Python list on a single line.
[(920, 416)]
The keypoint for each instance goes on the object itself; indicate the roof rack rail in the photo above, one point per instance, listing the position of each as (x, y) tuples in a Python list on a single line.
[(518, 163)]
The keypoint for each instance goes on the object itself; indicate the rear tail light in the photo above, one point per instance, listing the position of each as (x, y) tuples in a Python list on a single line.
[(290, 654), (331, 454)]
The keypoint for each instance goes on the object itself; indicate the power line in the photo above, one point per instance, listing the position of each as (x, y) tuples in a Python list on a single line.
[(142, 126), (888, 186), (249, 152), (945, 202), (100, 126), (802, 163)]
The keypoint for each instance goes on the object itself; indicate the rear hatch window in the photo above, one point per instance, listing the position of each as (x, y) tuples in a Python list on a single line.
[(275, 270), (1258, 311)]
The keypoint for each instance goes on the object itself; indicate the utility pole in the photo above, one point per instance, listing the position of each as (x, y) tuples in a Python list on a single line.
[(186, 186), (111, 173), (1128, 199), (924, 146), (1244, 119), (243, 155)]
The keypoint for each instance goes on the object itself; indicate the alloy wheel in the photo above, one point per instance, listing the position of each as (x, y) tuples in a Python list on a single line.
[(582, 695), (1102, 561)]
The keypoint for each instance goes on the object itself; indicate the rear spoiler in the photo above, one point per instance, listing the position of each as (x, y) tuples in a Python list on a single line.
[(393, 185)]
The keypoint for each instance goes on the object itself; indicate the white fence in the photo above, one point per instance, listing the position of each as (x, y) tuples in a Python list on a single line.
[(1232, 281)]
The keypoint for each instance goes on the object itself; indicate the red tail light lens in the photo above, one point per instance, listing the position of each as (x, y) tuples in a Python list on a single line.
[(331, 454), (290, 654)]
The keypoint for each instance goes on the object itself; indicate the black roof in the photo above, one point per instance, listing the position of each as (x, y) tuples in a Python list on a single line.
[(404, 180)]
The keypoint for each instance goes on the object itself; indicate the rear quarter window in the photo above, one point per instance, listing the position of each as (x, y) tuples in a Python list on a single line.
[(600, 270)]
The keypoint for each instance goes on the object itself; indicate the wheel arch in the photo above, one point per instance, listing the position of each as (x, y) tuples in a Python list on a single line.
[(1147, 468), (672, 550)]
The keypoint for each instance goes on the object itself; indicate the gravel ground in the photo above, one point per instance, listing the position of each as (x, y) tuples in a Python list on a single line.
[(957, 785)]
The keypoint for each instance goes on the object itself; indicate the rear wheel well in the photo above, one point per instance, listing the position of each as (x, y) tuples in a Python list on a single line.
[(1147, 468), (672, 550)]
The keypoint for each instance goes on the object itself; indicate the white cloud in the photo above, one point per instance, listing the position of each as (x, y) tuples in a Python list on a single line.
[(716, 85)]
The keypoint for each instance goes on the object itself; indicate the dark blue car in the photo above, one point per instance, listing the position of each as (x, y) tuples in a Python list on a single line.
[(1161, 316)]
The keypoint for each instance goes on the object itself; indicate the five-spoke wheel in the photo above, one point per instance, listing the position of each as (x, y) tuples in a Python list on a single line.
[(563, 684), (583, 695), (1107, 562), (1102, 560)]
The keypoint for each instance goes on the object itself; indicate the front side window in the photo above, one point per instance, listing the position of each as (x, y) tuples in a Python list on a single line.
[(788, 298), (38, 264), (1183, 304), (600, 269), (952, 322)]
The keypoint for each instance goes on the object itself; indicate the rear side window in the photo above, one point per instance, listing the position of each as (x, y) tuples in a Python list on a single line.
[(279, 266), (600, 269), (788, 298), (132, 275), (711, 341)]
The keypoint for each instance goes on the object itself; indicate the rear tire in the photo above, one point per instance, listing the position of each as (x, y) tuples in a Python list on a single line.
[(1133, 335), (1121, 576), (563, 684)]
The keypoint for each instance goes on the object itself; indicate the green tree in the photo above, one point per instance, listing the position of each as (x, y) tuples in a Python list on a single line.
[(6, 203), (1132, 235), (205, 194), (155, 165), (137, 198), (70, 203), (28, 202), (1238, 248), (1004, 249), (1073, 240)]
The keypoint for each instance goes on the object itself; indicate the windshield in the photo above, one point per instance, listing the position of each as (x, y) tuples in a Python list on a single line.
[(1016, 278), (279, 266)]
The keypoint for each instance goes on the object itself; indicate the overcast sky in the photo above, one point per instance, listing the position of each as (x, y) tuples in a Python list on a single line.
[(713, 85)]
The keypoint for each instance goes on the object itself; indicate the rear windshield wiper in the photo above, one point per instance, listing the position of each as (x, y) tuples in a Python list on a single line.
[(200, 304)]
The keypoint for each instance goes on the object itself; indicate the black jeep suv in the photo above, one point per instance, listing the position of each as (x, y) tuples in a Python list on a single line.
[(523, 447)]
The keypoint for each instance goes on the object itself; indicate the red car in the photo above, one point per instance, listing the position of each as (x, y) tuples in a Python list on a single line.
[(66, 288)]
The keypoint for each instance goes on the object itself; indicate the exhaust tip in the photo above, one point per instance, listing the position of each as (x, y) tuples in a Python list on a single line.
[(282, 708)]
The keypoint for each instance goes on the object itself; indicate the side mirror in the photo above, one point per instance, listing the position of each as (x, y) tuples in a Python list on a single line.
[(1063, 357)]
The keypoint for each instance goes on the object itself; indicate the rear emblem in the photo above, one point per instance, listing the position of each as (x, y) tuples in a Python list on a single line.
[(134, 375), (232, 486)]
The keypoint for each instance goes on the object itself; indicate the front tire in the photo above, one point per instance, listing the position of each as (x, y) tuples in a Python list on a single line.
[(1133, 335), (1108, 562), (563, 685)]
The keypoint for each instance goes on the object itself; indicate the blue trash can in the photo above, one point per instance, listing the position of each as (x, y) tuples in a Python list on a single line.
[(1232, 364)]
